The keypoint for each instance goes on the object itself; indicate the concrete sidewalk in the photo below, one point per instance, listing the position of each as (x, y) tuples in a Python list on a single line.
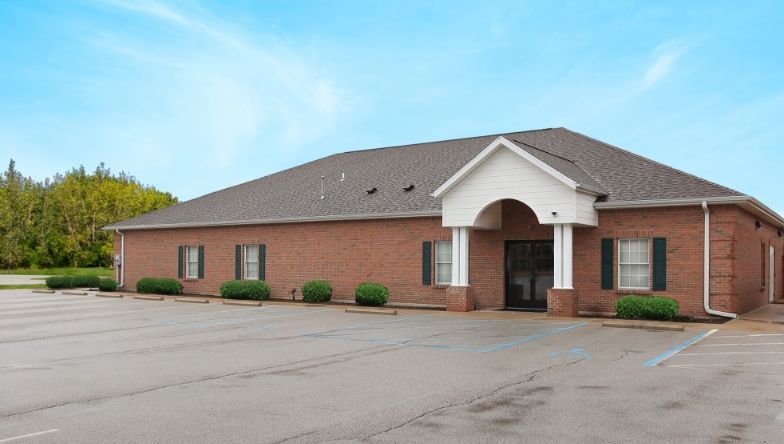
[(772, 313)]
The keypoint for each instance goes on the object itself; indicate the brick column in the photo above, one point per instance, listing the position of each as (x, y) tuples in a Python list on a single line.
[(459, 299), (562, 302)]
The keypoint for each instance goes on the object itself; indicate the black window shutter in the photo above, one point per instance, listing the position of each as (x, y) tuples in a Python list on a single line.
[(427, 261), (660, 263), (607, 264), (262, 262), (238, 262), (180, 261), (201, 261)]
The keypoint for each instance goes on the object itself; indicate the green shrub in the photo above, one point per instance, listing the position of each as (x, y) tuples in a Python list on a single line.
[(159, 286), (647, 307), (661, 308), (88, 281), (255, 290), (59, 282), (371, 294), (316, 291), (107, 285), (630, 307)]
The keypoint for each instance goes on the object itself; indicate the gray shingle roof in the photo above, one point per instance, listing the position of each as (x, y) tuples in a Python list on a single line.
[(294, 194)]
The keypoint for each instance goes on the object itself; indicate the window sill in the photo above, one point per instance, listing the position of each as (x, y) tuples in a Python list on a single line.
[(639, 291), (191, 280), (441, 286)]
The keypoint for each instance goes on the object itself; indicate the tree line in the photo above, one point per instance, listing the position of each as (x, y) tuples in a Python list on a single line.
[(57, 222)]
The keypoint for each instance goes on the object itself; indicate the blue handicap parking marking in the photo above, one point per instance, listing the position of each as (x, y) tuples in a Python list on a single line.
[(576, 352), (464, 335)]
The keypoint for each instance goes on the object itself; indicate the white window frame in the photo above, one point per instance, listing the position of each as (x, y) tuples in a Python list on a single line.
[(647, 243), (191, 267), (443, 263), (245, 263)]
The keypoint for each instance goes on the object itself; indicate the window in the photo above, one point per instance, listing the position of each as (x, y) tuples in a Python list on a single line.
[(443, 262), (633, 264), (251, 261), (762, 261), (192, 262)]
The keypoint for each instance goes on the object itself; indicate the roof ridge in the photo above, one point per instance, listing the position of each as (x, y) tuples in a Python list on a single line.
[(448, 140), (545, 151), (639, 156)]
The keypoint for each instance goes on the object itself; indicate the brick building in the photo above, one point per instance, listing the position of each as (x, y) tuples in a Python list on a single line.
[(546, 219)]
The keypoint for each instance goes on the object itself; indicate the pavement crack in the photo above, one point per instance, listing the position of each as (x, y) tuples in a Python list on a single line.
[(526, 379), (331, 359)]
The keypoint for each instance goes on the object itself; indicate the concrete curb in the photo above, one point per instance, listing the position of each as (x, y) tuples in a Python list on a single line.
[(645, 325), (76, 293), (109, 295), (193, 300), (379, 311), (44, 291), (246, 303), (148, 298)]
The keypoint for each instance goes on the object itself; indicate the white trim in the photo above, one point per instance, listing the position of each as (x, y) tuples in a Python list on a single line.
[(245, 262), (772, 274), (437, 263), (647, 242), (365, 216), (746, 202), (490, 149)]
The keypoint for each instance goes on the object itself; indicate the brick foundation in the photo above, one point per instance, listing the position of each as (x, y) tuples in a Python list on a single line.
[(562, 302), (459, 299)]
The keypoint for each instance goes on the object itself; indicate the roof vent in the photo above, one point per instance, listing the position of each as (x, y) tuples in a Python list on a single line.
[(372, 190), (342, 177), (409, 188)]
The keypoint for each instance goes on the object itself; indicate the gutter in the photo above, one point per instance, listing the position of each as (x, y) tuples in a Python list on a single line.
[(706, 269), (279, 221)]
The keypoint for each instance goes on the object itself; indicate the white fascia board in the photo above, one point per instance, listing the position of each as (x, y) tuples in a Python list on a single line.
[(490, 149), (277, 221), (746, 202)]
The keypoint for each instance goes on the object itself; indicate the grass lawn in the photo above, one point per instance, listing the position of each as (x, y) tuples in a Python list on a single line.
[(67, 271), (17, 287)]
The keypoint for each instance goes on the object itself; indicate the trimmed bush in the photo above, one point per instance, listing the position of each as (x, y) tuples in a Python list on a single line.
[(87, 281), (316, 291), (371, 294), (107, 285), (661, 308), (59, 282), (159, 286), (657, 308), (255, 290)]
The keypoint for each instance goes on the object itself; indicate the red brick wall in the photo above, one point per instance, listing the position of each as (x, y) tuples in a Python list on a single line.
[(390, 252), (346, 253), (486, 251)]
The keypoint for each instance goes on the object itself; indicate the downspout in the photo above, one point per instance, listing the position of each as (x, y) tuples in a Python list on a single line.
[(706, 269), (121, 271)]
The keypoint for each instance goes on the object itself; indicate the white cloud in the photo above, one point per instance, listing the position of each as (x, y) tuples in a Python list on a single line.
[(665, 57), (211, 89)]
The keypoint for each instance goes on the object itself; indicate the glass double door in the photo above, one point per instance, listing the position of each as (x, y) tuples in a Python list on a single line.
[(529, 273)]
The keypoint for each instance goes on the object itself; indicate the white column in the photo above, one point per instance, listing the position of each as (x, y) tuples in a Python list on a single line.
[(567, 256), (562, 256), (464, 256), (557, 256), (460, 256), (455, 256)]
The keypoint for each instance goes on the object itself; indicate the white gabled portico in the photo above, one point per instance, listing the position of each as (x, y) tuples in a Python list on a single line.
[(471, 199)]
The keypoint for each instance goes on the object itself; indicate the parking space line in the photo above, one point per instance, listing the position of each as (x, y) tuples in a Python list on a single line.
[(734, 353), (683, 345), (725, 364), (755, 335), (745, 345), (29, 435)]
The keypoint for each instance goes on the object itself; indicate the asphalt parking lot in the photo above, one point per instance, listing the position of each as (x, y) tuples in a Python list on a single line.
[(88, 369)]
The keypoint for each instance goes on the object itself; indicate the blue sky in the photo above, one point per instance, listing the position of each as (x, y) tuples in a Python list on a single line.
[(195, 96)]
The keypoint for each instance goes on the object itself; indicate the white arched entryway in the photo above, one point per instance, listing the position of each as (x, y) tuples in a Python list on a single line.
[(471, 199)]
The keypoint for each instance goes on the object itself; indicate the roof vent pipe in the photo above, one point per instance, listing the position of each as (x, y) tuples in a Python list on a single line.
[(342, 177), (706, 270), (322, 187)]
